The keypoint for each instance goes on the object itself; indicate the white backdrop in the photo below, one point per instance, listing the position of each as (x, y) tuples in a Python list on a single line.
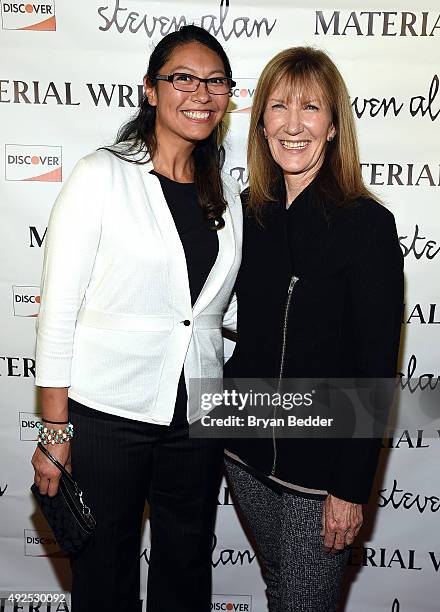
[(70, 75)]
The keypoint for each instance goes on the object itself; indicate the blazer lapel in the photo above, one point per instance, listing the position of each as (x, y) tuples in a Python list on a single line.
[(177, 269), (221, 267)]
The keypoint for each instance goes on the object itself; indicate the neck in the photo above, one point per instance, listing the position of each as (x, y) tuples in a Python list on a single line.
[(295, 184), (173, 158)]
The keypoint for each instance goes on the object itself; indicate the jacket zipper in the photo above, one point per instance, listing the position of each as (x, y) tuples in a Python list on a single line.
[(292, 284)]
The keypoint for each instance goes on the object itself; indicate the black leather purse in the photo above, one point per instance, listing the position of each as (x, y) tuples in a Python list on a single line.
[(69, 517)]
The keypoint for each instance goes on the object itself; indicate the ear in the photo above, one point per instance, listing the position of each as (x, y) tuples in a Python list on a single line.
[(150, 91), (331, 133)]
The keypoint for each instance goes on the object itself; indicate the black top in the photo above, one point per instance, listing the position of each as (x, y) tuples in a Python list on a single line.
[(200, 245), (199, 242), (344, 319), (303, 212)]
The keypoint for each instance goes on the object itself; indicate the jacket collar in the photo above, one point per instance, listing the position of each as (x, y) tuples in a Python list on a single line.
[(177, 268), (222, 264)]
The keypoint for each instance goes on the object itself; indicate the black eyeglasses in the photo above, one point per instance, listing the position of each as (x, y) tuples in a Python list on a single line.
[(188, 82)]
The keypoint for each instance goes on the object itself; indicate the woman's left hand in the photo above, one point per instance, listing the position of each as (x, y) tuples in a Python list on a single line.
[(341, 522)]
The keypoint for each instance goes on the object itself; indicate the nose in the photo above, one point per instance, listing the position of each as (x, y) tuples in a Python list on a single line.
[(201, 94), (294, 124)]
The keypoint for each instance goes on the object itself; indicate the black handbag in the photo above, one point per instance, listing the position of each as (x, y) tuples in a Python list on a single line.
[(69, 517)]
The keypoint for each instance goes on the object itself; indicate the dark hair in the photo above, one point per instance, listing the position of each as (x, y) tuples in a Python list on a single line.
[(208, 155)]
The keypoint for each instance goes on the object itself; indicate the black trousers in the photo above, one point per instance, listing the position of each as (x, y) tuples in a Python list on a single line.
[(120, 463)]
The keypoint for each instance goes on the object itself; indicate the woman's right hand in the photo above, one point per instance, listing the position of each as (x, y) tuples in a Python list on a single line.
[(341, 522), (47, 475)]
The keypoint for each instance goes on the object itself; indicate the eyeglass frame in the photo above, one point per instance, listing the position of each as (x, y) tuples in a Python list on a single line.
[(170, 79)]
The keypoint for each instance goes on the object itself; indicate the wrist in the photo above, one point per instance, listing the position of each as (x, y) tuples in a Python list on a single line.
[(51, 436), (54, 422)]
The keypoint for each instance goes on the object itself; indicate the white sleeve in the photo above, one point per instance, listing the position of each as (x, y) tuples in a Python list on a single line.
[(71, 245), (230, 316)]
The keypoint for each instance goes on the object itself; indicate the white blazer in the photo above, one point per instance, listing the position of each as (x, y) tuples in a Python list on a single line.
[(116, 323)]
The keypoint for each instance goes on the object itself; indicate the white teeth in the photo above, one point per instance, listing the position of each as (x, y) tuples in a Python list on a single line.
[(196, 114), (300, 144)]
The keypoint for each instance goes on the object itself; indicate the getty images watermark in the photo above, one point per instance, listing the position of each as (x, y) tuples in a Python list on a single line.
[(252, 400), (308, 408)]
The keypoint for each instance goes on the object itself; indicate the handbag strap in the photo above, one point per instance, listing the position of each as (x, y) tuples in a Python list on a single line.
[(55, 461)]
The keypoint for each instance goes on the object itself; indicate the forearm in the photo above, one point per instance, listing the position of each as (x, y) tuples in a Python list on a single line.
[(54, 403)]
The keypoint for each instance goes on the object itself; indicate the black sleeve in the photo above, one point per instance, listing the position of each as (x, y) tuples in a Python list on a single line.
[(376, 294)]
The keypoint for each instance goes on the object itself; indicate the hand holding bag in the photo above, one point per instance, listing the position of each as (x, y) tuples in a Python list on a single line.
[(69, 517)]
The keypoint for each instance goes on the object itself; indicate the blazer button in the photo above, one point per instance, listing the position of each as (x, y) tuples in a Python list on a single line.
[(187, 322)]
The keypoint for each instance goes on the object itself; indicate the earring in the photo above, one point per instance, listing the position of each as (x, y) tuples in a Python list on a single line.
[(330, 138)]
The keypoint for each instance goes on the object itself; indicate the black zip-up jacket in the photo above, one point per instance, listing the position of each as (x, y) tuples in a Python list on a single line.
[(344, 320)]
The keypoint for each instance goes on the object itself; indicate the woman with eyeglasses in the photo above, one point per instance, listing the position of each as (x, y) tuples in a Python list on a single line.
[(142, 251)]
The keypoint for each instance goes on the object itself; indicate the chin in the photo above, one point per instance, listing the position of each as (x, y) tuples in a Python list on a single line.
[(198, 135), (294, 169)]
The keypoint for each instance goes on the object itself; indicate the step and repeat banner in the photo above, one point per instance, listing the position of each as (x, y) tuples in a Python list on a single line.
[(70, 75)]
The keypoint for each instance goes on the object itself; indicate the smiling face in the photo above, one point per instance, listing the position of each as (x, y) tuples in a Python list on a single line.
[(298, 128), (183, 116)]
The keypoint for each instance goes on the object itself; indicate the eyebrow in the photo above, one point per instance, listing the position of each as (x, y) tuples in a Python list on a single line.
[(191, 70), (306, 98)]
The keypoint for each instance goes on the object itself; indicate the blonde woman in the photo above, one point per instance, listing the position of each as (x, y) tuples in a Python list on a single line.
[(319, 294)]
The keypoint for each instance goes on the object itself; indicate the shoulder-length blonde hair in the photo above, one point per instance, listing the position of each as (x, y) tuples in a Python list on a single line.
[(305, 71)]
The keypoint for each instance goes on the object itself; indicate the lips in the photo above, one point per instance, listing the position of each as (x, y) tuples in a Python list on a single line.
[(296, 145), (196, 115)]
